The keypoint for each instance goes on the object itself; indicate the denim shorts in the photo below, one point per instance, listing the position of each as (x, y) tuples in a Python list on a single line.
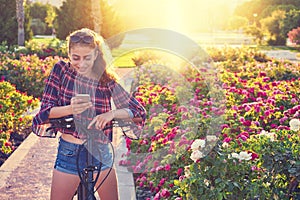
[(67, 161)]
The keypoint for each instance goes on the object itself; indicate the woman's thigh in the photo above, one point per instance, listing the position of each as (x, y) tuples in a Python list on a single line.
[(64, 185), (108, 189)]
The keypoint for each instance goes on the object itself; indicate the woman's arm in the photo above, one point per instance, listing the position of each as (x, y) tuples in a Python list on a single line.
[(60, 111)]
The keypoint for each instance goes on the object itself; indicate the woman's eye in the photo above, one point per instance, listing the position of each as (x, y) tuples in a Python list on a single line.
[(75, 58)]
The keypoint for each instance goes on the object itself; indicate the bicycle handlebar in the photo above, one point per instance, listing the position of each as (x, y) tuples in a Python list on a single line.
[(71, 123)]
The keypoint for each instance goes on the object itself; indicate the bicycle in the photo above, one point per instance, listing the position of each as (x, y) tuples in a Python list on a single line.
[(85, 190)]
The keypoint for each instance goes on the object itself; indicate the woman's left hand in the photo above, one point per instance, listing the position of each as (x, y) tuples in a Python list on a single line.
[(101, 120)]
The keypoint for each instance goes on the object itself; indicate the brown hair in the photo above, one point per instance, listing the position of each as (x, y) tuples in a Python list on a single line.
[(100, 66)]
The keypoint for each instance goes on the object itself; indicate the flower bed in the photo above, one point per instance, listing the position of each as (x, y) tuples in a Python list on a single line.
[(14, 122), (21, 84), (255, 155)]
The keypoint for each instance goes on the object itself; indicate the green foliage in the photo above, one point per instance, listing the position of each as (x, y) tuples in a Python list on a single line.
[(13, 108), (27, 73), (112, 25), (8, 22), (38, 27), (291, 21), (74, 15), (41, 15), (272, 26)]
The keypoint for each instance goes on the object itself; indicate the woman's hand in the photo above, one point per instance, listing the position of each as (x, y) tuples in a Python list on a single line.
[(101, 120), (79, 105)]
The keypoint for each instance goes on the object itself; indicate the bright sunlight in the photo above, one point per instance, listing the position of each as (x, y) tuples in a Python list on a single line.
[(178, 15)]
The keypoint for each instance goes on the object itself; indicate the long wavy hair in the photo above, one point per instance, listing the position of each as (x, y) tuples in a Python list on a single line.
[(100, 68)]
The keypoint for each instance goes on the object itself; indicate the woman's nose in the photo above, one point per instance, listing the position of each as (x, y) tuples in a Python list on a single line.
[(81, 63)]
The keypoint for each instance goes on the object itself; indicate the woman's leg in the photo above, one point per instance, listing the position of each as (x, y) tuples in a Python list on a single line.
[(109, 189), (63, 185)]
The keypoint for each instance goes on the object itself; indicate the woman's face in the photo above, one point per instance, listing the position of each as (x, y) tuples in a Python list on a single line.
[(82, 59)]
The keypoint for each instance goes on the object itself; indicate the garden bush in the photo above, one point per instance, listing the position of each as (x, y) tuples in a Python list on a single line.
[(14, 115), (27, 73), (254, 154)]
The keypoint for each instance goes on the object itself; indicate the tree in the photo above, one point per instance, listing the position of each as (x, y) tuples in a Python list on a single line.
[(112, 25), (72, 15), (43, 17), (97, 15), (8, 22), (20, 19), (291, 21), (75, 14), (51, 15), (263, 8), (272, 26)]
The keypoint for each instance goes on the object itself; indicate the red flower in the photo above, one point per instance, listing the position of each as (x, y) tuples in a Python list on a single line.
[(254, 156), (179, 171), (168, 167), (7, 144)]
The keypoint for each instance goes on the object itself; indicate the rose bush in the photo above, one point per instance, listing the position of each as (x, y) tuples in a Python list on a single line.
[(256, 154), (27, 73)]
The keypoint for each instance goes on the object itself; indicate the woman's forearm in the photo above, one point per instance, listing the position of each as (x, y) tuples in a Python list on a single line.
[(121, 114), (60, 111)]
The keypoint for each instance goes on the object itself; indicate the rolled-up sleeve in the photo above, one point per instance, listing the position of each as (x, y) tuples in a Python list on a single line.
[(123, 99), (49, 100)]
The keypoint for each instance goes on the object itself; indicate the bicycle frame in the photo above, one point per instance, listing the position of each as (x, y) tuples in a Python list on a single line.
[(85, 190)]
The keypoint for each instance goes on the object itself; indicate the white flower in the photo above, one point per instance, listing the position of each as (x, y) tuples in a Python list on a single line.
[(271, 135), (206, 182), (295, 124), (196, 155), (245, 156), (241, 156), (225, 145), (211, 138), (187, 172), (235, 155), (198, 143)]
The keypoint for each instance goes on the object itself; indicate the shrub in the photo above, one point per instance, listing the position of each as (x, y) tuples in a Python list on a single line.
[(254, 156), (14, 109), (294, 35), (27, 73)]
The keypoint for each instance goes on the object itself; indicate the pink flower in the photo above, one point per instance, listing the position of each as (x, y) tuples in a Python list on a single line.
[(247, 123), (179, 171), (165, 193), (168, 167), (228, 139), (162, 181)]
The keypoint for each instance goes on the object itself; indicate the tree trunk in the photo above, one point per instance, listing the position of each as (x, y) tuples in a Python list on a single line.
[(97, 15), (20, 19)]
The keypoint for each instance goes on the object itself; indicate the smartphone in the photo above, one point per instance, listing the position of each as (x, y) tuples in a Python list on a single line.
[(84, 97)]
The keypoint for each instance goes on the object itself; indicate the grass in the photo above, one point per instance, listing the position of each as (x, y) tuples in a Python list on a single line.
[(123, 57)]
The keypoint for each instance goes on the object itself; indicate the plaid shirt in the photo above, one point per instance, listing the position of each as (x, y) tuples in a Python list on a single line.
[(64, 82)]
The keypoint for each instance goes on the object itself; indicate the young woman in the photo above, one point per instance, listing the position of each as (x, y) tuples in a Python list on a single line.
[(87, 73)]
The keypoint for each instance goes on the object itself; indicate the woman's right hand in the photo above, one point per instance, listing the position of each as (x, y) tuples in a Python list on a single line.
[(79, 105)]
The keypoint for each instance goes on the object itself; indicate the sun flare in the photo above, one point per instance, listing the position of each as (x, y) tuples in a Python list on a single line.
[(177, 15)]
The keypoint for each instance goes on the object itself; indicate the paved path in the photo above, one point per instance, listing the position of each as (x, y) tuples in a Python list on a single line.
[(27, 172), (282, 54)]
